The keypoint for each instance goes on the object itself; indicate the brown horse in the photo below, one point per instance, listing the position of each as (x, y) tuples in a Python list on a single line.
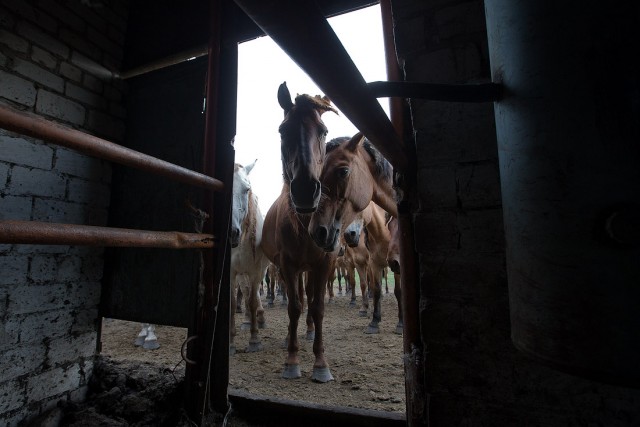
[(285, 239), (356, 258), (302, 145), (354, 174)]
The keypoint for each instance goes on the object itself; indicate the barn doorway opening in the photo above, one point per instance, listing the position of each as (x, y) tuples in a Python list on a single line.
[(367, 368)]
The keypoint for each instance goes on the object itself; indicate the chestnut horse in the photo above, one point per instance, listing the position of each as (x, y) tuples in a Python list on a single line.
[(285, 239), (248, 262), (354, 174)]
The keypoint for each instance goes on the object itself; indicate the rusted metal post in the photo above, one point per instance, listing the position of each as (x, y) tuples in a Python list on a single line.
[(37, 127), (45, 233), (409, 272), (207, 387)]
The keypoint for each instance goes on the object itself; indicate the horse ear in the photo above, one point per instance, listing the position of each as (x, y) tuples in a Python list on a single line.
[(250, 166), (354, 142), (284, 98)]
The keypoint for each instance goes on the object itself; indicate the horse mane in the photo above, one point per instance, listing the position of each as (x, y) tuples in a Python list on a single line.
[(335, 142), (383, 168), (318, 102), (249, 223)]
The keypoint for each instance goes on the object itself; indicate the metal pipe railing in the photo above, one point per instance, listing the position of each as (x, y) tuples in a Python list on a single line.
[(45, 233), (37, 127), (168, 61)]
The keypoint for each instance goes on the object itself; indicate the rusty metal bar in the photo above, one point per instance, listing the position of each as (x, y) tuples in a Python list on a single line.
[(484, 92), (302, 31), (168, 61), (46, 233), (396, 105), (37, 127)]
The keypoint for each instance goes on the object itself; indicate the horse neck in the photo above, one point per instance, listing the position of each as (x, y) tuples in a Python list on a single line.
[(250, 223), (376, 227), (299, 222)]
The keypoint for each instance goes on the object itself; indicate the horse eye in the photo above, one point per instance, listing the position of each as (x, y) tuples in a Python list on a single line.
[(343, 172)]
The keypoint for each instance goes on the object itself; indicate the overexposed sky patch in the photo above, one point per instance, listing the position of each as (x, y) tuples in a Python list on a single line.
[(263, 66)]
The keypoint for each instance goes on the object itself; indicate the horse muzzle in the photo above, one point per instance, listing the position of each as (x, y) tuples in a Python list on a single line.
[(351, 238), (326, 238), (305, 195), (234, 237)]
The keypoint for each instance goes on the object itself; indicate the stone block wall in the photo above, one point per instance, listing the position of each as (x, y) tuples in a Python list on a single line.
[(56, 59), (473, 374)]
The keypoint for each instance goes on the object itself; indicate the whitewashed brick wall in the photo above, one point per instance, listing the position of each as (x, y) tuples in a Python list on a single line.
[(51, 54)]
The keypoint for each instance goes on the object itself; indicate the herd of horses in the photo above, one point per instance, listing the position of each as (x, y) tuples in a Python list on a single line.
[(336, 212)]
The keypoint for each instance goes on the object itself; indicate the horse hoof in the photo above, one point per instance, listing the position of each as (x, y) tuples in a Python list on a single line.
[(362, 313), (232, 350), (311, 335), (399, 330), (245, 326), (291, 372), (262, 325), (254, 347), (372, 330), (352, 303), (139, 341), (270, 304), (321, 375), (238, 310), (150, 345)]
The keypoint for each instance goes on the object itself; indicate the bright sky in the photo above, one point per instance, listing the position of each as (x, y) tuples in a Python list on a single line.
[(263, 66)]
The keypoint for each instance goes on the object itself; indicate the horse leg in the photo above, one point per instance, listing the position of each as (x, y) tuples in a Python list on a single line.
[(141, 335), (339, 277), (232, 316), (238, 303), (386, 282), (330, 287), (254, 300), (270, 288), (151, 340), (309, 292), (397, 290), (376, 284), (350, 282), (364, 278), (321, 372), (294, 309), (246, 322)]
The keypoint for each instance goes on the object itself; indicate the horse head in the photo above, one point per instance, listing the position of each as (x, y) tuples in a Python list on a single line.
[(240, 206), (353, 175), (393, 254), (302, 145), (353, 231)]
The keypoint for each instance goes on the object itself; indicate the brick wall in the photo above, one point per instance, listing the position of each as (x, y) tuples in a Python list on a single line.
[(54, 62), (474, 375)]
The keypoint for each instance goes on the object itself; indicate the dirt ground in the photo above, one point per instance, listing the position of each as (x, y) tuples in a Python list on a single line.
[(367, 369)]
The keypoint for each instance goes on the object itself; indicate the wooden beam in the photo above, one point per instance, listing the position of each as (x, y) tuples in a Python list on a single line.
[(303, 32)]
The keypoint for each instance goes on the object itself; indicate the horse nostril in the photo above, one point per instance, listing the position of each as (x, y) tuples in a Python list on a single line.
[(320, 234)]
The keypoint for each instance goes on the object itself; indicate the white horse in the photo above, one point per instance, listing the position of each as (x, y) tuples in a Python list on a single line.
[(248, 262)]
